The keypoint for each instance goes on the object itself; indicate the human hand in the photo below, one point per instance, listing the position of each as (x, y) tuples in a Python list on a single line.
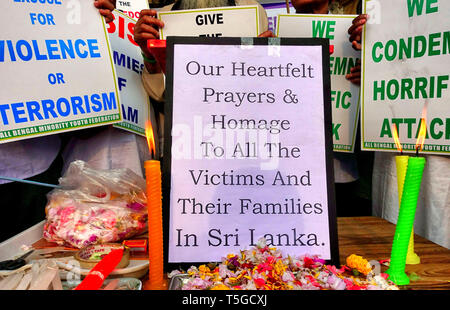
[(267, 34), (106, 7), (355, 74), (147, 28), (355, 30)]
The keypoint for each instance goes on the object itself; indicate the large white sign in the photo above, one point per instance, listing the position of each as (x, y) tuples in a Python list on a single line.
[(129, 64), (406, 66), (236, 21), (344, 94), (250, 150), (56, 69)]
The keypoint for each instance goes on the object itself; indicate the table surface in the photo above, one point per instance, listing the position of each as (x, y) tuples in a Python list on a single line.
[(371, 237)]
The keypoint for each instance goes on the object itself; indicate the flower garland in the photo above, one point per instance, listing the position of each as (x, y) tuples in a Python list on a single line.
[(264, 268)]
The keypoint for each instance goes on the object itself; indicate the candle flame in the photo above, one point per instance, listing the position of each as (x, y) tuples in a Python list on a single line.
[(423, 129), (396, 138), (150, 138)]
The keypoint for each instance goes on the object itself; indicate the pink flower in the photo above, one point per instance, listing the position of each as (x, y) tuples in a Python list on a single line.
[(334, 270), (264, 267), (259, 282), (351, 286)]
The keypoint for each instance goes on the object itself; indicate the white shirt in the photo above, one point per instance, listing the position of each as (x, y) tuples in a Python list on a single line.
[(26, 158), (110, 148)]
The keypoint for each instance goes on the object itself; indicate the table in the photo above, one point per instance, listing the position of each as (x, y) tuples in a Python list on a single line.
[(371, 237)]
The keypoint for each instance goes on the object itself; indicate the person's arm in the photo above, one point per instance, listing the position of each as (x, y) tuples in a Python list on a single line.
[(147, 28), (105, 7), (355, 32)]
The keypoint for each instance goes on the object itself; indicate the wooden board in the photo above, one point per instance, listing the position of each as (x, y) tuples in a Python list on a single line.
[(372, 238)]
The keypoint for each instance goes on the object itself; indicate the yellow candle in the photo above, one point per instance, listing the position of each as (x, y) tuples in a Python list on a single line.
[(402, 165)]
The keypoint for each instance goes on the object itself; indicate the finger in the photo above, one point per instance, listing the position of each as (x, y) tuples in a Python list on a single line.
[(355, 69), (147, 29), (356, 45), (359, 18), (353, 76), (109, 19), (105, 12), (147, 20), (356, 24), (104, 4), (147, 12), (356, 81), (148, 36), (356, 33)]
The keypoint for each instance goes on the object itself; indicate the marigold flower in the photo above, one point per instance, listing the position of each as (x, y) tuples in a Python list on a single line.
[(359, 263), (220, 287)]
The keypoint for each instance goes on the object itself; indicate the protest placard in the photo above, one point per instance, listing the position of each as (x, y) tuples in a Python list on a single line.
[(129, 65), (56, 69), (405, 75), (250, 150), (344, 94), (235, 21)]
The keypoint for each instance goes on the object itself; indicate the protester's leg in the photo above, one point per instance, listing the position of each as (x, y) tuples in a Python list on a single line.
[(23, 205)]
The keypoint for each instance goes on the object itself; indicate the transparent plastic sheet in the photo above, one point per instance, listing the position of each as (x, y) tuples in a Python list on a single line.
[(95, 206)]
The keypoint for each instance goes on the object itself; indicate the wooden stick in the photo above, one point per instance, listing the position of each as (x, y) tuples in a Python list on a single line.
[(25, 283), (287, 7), (12, 281), (46, 275)]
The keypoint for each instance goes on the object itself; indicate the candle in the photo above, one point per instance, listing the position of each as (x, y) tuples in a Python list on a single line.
[(407, 212), (155, 226), (401, 162)]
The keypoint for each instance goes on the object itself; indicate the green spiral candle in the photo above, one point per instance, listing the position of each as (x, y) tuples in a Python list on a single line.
[(405, 222)]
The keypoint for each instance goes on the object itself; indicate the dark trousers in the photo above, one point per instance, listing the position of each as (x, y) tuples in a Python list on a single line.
[(23, 205), (355, 198)]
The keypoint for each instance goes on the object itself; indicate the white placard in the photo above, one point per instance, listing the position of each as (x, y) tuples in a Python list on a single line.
[(236, 21), (132, 8), (344, 94), (250, 150), (56, 69), (129, 65), (406, 66)]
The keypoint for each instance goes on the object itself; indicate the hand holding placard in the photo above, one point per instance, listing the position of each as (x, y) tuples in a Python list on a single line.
[(106, 7), (344, 66), (146, 29), (355, 30), (59, 58)]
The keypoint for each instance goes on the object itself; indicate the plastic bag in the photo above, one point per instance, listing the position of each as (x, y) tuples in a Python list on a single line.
[(95, 206)]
